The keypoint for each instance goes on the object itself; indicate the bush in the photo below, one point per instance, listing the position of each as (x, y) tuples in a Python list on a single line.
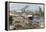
[(10, 20)]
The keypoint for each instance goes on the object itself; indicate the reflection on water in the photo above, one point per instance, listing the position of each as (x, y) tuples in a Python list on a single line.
[(38, 20)]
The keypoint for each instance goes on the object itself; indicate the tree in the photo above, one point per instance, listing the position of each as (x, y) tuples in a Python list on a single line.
[(40, 12), (10, 20), (23, 9)]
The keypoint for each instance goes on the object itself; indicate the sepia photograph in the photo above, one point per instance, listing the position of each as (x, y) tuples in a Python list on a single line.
[(24, 15)]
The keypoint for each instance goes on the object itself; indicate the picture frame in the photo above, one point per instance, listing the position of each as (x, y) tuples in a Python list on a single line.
[(24, 15)]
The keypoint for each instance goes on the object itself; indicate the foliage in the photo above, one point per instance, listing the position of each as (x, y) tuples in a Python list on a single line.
[(39, 13), (10, 20)]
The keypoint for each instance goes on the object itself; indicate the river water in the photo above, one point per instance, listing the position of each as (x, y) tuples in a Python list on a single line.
[(38, 20)]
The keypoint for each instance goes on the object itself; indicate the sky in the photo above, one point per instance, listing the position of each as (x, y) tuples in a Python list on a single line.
[(18, 6)]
